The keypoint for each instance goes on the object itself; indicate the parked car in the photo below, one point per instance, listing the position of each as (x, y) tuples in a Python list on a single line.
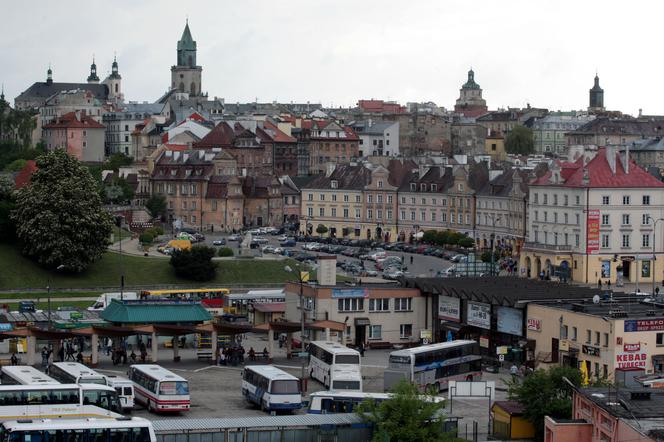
[(288, 243), (282, 238), (392, 274), (260, 240), (311, 246), (459, 258), (234, 237), (219, 242), (268, 249)]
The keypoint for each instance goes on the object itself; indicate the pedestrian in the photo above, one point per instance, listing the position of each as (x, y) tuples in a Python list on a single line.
[(514, 370), (44, 355), (221, 356), (241, 354), (608, 284), (656, 291), (599, 284), (61, 354), (411, 259), (361, 349), (79, 357), (14, 359), (109, 346), (252, 354), (266, 354)]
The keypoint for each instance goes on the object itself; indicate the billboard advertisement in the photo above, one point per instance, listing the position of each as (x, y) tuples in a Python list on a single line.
[(350, 293), (639, 325), (449, 308), (510, 321), (592, 228), (479, 315)]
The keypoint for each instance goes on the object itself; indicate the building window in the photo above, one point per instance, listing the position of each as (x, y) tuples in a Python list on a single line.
[(345, 198), (566, 200), (605, 220), (625, 219), (358, 199), (370, 198), (443, 217), (389, 214), (334, 197), (545, 199), (536, 198), (413, 186), (563, 332), (555, 199), (380, 184), (321, 197), (434, 187), (578, 219), (310, 211), (576, 240), (574, 333), (310, 197), (403, 304), (369, 214), (334, 184), (345, 213), (321, 211), (351, 304), (660, 339), (358, 215), (597, 338), (375, 332), (625, 241), (334, 212), (389, 199), (379, 199), (588, 336), (605, 241), (402, 215), (412, 215), (606, 199), (577, 200), (626, 200), (646, 200), (379, 305), (423, 215), (606, 339), (645, 240), (405, 330)]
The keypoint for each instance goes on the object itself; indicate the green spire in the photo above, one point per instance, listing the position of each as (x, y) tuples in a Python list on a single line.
[(114, 69), (93, 72), (470, 84), (187, 48), (186, 41)]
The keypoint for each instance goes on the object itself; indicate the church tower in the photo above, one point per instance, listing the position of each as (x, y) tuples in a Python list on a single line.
[(186, 75), (596, 103), (93, 78), (49, 75), (470, 102), (114, 82)]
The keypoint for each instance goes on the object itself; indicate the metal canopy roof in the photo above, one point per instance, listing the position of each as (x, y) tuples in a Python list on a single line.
[(302, 420)]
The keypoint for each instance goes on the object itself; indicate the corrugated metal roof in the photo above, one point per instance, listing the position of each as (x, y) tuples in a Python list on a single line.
[(155, 312), (300, 420)]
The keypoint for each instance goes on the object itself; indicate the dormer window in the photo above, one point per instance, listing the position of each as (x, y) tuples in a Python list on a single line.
[(334, 184), (434, 187), (423, 187), (380, 184), (187, 172), (174, 172), (413, 186)]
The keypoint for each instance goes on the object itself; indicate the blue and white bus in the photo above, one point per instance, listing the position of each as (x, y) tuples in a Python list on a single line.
[(271, 388), (433, 366), (336, 366), (332, 402)]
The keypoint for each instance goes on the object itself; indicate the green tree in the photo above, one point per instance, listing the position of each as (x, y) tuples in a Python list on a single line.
[(156, 206), (321, 229), (116, 161), (118, 191), (408, 416), (520, 141), (146, 238), (7, 227), (195, 264), (442, 237), (430, 237), (545, 393), (16, 165), (466, 242), (59, 218)]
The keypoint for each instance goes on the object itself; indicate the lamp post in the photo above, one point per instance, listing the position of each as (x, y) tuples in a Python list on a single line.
[(301, 281), (654, 256)]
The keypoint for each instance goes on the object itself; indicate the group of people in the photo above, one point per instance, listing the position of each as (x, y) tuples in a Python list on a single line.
[(70, 350), (235, 355)]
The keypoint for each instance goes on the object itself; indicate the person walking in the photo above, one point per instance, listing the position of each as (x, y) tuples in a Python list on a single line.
[(44, 355), (411, 259), (599, 284)]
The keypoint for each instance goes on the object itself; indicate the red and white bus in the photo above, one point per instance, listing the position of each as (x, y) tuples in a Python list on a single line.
[(159, 389)]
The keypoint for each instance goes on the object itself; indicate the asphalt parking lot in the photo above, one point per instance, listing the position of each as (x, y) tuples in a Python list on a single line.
[(421, 266)]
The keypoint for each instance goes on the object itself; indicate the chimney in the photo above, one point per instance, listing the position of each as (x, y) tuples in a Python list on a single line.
[(611, 158)]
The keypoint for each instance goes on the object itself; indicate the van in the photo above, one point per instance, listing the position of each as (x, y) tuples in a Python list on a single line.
[(105, 299)]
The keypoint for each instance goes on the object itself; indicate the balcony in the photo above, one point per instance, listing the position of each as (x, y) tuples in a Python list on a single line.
[(536, 246)]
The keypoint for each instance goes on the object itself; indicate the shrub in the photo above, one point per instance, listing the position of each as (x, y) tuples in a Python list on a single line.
[(225, 251), (146, 238), (195, 264)]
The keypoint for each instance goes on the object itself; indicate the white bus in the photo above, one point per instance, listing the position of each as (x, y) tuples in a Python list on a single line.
[(433, 366), (335, 365), (159, 389), (329, 402), (125, 429), (74, 373), (24, 375), (125, 389), (271, 388), (54, 399)]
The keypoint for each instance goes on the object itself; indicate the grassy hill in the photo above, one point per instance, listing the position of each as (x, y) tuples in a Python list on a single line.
[(17, 272)]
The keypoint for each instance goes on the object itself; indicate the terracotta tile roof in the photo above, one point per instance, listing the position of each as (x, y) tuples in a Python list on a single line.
[(221, 136), (277, 135), (600, 174), (69, 121), (24, 176)]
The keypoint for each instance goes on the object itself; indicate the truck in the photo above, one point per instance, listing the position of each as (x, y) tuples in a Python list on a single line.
[(105, 299)]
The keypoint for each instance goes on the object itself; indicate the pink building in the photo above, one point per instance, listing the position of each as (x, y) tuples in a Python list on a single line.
[(79, 134), (600, 414)]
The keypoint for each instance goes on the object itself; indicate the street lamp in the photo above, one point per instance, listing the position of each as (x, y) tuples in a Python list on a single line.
[(300, 280), (654, 256)]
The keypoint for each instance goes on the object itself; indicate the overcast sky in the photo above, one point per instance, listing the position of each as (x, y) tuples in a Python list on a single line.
[(540, 52)]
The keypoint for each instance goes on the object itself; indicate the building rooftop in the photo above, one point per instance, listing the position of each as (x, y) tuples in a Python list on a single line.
[(620, 306), (627, 403), (152, 312)]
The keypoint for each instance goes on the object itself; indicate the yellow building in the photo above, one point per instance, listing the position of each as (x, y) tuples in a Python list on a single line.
[(509, 423), (494, 145)]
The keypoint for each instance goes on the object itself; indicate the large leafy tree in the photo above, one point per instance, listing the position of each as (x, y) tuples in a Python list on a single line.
[(59, 218), (545, 393), (520, 140), (7, 227), (156, 205), (408, 416), (195, 263)]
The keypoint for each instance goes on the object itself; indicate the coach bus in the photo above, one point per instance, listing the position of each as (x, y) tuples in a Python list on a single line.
[(330, 402), (336, 366), (74, 373), (433, 366), (271, 388), (210, 298), (24, 375), (159, 389), (126, 429), (24, 400)]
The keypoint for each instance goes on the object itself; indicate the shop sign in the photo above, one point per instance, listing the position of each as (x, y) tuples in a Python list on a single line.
[(632, 347), (638, 325), (535, 324), (510, 321), (350, 293), (425, 335), (484, 341), (449, 308), (592, 229), (631, 360), (5, 327), (479, 315), (564, 345), (502, 350), (590, 351)]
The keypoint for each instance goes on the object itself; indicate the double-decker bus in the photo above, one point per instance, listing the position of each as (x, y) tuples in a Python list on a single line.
[(212, 298), (56, 399), (336, 366), (271, 388), (434, 365), (74, 373), (159, 389), (24, 375), (126, 429)]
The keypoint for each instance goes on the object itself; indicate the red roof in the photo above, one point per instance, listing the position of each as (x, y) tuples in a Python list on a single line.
[(196, 116), (600, 174), (71, 121), (24, 176), (176, 147), (222, 135), (277, 135)]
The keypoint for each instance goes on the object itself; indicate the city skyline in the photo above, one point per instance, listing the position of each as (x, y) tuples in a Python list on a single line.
[(342, 57)]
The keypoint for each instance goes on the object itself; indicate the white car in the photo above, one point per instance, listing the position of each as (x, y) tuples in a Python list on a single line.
[(260, 240), (268, 249), (311, 246), (283, 238), (376, 254)]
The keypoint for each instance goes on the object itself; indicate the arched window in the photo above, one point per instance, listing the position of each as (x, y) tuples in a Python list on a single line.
[(193, 88), (181, 87), (116, 88)]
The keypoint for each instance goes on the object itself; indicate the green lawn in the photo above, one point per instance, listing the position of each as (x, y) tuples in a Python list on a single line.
[(44, 295), (17, 272), (117, 233)]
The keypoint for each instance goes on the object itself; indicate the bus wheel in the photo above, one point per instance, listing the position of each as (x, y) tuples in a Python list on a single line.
[(436, 387)]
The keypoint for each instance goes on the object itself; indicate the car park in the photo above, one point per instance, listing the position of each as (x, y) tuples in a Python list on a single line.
[(268, 249), (311, 246)]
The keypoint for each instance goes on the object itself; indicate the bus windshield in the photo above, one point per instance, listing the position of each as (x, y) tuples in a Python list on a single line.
[(347, 359), (102, 398), (285, 387), (174, 388), (93, 380)]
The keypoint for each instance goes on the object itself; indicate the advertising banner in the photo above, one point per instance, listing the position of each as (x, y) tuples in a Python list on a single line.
[(449, 308), (535, 324), (592, 245), (638, 325), (510, 320), (350, 293), (635, 359), (479, 315)]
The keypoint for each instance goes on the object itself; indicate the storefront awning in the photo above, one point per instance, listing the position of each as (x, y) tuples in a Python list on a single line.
[(452, 326), (359, 322)]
